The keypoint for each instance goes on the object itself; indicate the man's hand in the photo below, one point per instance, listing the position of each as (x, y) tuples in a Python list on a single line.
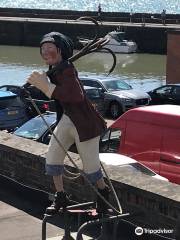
[(40, 81), (37, 79)]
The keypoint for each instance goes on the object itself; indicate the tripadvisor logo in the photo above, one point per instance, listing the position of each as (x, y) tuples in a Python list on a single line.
[(139, 231)]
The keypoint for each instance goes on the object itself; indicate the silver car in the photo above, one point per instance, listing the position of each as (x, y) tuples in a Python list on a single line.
[(118, 95)]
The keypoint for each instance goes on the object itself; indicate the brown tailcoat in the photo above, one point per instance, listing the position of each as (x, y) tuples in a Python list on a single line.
[(71, 95)]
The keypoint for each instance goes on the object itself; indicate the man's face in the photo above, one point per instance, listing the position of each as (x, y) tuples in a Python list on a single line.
[(50, 53)]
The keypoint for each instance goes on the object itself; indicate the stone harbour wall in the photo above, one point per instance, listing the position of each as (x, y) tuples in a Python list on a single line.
[(24, 31)]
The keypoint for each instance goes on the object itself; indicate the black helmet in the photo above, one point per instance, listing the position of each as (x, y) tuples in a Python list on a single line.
[(61, 41)]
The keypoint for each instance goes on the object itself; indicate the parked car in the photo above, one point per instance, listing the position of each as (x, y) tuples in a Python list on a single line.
[(118, 95), (167, 94), (41, 100), (150, 135), (13, 112), (36, 129), (35, 93), (123, 162)]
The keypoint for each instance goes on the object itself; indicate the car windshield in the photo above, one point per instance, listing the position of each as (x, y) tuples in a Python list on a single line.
[(34, 128), (139, 168), (115, 85)]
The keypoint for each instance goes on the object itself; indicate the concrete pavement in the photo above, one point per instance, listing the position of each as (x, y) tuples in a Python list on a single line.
[(21, 220)]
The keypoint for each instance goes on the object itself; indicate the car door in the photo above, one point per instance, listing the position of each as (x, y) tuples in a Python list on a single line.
[(170, 154), (162, 95), (175, 95)]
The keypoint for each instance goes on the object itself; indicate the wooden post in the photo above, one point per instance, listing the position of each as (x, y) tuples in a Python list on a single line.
[(173, 57)]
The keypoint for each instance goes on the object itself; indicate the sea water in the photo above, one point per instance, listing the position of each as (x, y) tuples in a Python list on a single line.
[(150, 6), (142, 71)]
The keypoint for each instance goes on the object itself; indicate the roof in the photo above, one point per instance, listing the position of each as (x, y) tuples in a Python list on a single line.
[(166, 115), (10, 85), (89, 87), (95, 78), (170, 84), (174, 84)]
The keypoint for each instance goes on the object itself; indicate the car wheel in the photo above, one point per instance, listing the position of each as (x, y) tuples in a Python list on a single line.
[(115, 110)]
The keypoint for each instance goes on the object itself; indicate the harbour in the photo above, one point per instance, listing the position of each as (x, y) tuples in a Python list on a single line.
[(110, 6), (152, 205), (138, 202), (147, 29), (150, 37), (142, 71)]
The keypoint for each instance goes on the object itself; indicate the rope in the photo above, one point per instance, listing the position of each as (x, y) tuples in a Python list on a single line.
[(112, 189)]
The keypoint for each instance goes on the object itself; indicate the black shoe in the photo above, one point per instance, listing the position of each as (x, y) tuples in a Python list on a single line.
[(102, 206), (61, 200)]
